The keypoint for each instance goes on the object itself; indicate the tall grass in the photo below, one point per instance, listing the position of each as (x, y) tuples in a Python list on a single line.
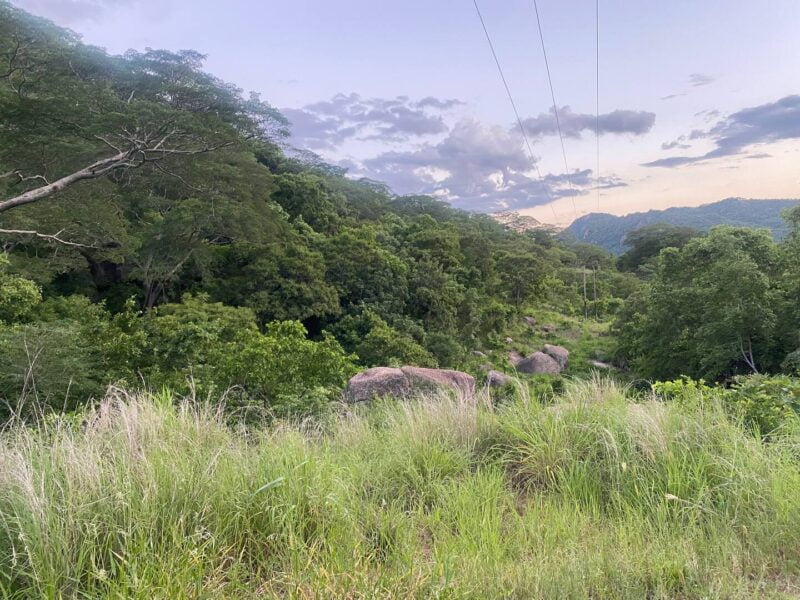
[(592, 496)]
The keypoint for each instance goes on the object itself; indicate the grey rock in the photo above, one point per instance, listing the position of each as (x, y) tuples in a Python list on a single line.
[(406, 382), (598, 364), (498, 379), (514, 357), (559, 353), (378, 381), (538, 363), (433, 379)]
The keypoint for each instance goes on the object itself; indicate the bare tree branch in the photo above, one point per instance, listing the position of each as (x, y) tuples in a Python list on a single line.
[(94, 170), (139, 153), (44, 236), (30, 177)]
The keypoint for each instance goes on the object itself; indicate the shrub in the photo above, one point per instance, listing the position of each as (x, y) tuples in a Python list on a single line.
[(765, 403), (282, 369), (684, 390), (18, 296), (792, 363), (761, 402), (46, 365), (378, 344)]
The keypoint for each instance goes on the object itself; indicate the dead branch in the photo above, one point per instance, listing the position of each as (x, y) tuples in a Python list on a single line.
[(141, 149), (44, 236)]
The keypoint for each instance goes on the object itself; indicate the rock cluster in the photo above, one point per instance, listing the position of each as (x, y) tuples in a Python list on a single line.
[(550, 360), (405, 382)]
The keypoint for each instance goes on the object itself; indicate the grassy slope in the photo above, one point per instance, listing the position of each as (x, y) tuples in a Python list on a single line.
[(586, 339), (597, 496)]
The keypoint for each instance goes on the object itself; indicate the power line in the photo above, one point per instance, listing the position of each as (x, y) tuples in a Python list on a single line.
[(597, 95), (514, 106), (555, 106)]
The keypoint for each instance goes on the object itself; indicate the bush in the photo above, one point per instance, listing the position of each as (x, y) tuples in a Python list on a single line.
[(378, 344), (18, 296), (792, 363), (282, 369), (765, 403), (47, 365), (684, 390), (761, 402)]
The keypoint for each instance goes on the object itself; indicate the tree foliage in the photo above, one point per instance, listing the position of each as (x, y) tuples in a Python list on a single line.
[(713, 309), (156, 232), (645, 244)]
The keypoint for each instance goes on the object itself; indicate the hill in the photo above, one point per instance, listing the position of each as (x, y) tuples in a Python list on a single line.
[(173, 246), (609, 231)]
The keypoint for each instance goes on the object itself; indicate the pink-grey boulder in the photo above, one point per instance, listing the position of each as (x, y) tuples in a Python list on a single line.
[(539, 363), (405, 382)]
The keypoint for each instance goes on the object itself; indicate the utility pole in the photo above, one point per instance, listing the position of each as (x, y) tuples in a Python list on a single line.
[(585, 307)]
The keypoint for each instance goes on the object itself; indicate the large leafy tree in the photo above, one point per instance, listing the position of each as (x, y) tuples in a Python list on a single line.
[(710, 310), (73, 113)]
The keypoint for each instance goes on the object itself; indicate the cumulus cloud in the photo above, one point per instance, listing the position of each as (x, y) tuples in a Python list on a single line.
[(469, 164), (761, 124), (328, 124), (636, 122), (477, 167), (72, 11)]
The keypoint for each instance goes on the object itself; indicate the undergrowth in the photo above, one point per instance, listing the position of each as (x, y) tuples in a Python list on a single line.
[(593, 495)]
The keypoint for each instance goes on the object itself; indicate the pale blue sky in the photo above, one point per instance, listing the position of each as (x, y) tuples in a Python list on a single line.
[(674, 68)]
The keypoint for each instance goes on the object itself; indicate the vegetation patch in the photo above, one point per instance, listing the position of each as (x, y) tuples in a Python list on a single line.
[(596, 494)]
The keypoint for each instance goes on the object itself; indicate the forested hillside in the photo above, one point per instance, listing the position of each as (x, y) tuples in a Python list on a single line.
[(609, 231), (225, 366), (155, 225)]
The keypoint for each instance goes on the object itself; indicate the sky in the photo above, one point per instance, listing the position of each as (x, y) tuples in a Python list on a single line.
[(698, 100)]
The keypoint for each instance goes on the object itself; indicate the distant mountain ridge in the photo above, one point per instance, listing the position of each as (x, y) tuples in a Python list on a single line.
[(609, 231)]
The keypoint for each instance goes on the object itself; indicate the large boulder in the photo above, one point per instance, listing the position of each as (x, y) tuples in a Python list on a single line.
[(434, 379), (558, 353), (378, 381), (538, 363), (405, 382)]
